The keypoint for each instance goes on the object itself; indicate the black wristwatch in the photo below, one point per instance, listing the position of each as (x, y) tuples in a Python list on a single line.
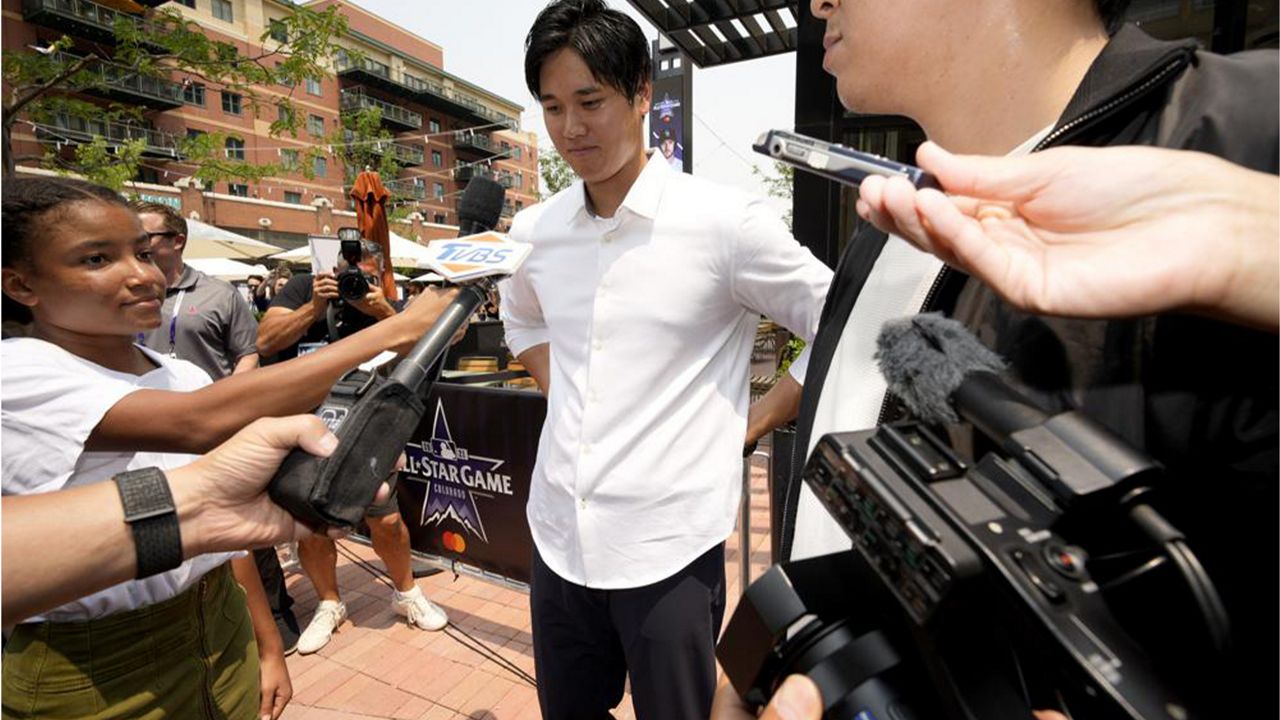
[(150, 512)]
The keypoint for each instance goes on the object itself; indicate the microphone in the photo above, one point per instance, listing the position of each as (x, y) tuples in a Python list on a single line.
[(940, 370), (374, 417), (480, 206)]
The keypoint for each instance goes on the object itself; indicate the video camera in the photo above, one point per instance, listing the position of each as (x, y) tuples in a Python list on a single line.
[(1040, 576)]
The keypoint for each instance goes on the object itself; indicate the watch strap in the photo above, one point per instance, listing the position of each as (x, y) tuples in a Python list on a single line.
[(153, 518)]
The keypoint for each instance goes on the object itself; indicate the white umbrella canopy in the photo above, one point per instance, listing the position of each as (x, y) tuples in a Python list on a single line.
[(207, 241), (404, 253), (226, 268)]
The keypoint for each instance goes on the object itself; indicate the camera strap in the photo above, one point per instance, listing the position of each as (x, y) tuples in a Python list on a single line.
[(331, 322)]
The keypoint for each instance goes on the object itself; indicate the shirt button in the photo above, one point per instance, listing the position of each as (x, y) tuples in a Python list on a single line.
[(586, 449), (598, 345), (582, 503)]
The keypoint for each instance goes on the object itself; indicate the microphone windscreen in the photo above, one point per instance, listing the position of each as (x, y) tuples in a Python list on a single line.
[(925, 358), (481, 204)]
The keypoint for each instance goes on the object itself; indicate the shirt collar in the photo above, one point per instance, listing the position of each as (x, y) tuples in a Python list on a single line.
[(642, 199), (187, 280)]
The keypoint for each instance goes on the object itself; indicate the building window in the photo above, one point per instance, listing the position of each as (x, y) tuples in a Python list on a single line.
[(518, 151), (193, 134), (321, 167), (519, 180), (278, 32), (506, 149), (189, 3), (519, 205), (235, 148), (222, 10), (238, 189), (293, 198), (437, 158), (284, 113), (231, 102), (289, 159), (315, 124), (313, 86), (433, 126), (439, 191), (440, 218), (193, 94)]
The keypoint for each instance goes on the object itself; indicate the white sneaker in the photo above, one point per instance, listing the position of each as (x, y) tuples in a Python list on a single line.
[(420, 611), (329, 615)]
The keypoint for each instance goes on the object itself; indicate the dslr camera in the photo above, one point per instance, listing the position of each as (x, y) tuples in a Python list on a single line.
[(1040, 576), (353, 283)]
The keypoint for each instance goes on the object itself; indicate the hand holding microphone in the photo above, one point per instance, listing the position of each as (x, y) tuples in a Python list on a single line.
[(374, 417)]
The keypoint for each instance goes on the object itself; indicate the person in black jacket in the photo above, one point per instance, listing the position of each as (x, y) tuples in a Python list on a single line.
[(1200, 395)]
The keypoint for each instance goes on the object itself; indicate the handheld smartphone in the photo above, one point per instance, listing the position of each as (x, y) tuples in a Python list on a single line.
[(836, 162)]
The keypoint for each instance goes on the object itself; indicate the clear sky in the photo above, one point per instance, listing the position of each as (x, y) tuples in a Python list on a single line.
[(483, 43)]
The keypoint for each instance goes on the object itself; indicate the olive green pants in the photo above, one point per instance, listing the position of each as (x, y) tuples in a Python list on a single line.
[(192, 656)]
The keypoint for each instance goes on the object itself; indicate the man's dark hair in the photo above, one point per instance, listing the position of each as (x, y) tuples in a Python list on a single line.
[(171, 218), (608, 41), (30, 206), (1112, 13)]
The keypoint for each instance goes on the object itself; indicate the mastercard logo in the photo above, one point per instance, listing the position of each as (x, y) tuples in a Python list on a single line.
[(453, 541)]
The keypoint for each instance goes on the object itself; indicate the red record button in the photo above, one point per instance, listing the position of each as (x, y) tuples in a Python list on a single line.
[(1066, 560)]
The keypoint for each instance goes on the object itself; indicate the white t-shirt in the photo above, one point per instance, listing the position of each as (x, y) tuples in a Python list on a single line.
[(854, 389), (50, 401)]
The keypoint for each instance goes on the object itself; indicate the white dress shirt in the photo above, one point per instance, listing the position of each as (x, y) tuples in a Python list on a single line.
[(650, 316)]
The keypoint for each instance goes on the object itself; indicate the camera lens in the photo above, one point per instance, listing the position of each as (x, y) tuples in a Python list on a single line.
[(352, 285)]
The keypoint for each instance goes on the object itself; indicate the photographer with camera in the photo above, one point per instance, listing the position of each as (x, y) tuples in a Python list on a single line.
[(310, 312)]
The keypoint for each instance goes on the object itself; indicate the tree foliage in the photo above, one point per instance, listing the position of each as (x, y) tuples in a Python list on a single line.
[(556, 173), (782, 185), (52, 89)]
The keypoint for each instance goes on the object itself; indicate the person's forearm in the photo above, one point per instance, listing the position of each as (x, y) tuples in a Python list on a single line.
[(537, 360), (46, 563), (246, 363), (195, 422), (780, 405), (278, 331), (264, 625), (1250, 293)]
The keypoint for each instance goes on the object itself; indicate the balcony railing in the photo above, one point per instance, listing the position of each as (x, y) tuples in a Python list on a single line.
[(470, 141), (64, 126), (122, 83), (405, 154), (464, 173), (78, 17), (392, 114)]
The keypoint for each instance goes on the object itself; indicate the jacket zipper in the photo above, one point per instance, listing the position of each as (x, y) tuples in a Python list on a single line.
[(205, 668), (1099, 111)]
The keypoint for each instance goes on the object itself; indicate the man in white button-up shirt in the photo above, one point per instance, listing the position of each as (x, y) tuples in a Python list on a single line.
[(636, 312)]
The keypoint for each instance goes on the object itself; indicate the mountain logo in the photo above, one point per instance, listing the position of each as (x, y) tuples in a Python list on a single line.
[(454, 478)]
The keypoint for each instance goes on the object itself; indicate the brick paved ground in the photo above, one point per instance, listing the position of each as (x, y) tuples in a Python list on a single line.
[(377, 667)]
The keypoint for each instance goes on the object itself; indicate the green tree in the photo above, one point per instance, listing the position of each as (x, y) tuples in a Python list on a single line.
[(555, 171), (47, 88), (781, 185)]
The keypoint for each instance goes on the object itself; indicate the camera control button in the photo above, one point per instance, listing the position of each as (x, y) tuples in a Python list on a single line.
[(1065, 560), (1048, 588)]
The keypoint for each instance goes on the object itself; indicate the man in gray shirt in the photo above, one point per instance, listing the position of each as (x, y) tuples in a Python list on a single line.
[(204, 320)]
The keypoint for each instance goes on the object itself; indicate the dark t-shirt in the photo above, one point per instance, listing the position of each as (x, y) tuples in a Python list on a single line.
[(297, 293)]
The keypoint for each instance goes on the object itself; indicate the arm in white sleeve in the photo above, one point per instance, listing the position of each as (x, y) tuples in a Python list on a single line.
[(776, 276), (519, 309)]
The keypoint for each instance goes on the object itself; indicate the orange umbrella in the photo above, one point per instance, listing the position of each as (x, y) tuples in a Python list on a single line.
[(371, 216)]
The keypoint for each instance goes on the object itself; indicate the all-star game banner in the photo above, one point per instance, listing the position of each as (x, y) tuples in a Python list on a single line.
[(466, 483)]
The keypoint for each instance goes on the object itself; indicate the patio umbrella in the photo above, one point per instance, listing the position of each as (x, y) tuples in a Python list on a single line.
[(371, 215), (207, 241), (226, 268)]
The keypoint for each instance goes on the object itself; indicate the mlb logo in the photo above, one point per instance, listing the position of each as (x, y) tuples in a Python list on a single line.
[(475, 256)]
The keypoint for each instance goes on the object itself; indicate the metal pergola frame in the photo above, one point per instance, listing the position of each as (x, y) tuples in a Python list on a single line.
[(718, 32)]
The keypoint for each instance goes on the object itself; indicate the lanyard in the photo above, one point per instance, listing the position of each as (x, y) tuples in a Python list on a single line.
[(173, 325)]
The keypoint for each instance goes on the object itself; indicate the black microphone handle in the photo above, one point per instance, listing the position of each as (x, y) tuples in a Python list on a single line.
[(995, 408), (415, 368)]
